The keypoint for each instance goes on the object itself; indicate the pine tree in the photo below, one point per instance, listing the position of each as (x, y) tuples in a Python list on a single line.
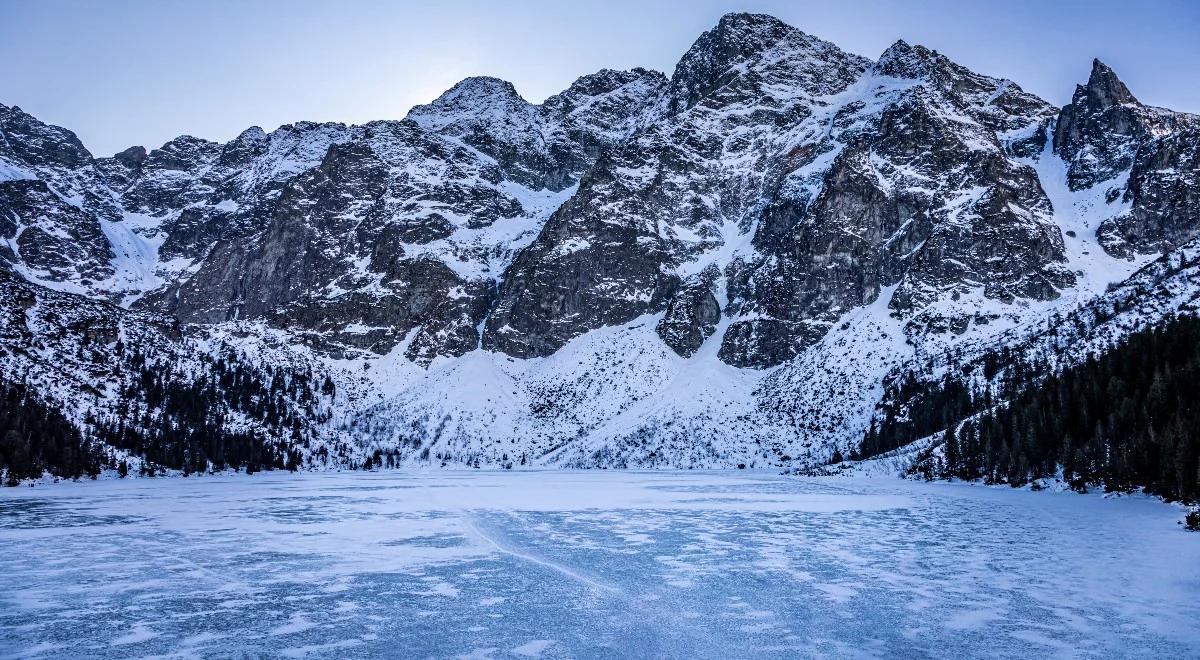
[(951, 444)]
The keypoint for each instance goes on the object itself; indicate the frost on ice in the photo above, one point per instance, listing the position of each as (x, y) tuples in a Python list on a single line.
[(592, 564)]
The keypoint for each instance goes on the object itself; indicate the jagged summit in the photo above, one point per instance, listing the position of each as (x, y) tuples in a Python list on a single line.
[(480, 86), (1104, 89), (1146, 158), (133, 156), (38, 143), (903, 60), (755, 32), (251, 143), (735, 39), (916, 62), (1098, 132), (252, 135), (603, 82), (474, 95)]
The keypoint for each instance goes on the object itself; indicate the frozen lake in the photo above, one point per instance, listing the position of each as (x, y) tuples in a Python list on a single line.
[(588, 564)]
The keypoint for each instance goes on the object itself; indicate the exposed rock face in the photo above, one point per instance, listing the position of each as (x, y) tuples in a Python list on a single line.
[(1163, 193), (1148, 156), (362, 234), (52, 204), (691, 317), (489, 115), (49, 240), (711, 61), (1099, 131), (673, 199), (911, 186), (842, 177), (547, 146), (166, 176), (332, 257), (583, 272), (122, 169), (34, 150), (804, 180), (199, 193)]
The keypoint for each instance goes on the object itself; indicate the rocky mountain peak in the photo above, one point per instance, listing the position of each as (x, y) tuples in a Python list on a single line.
[(1104, 90), (605, 81), (598, 111), (39, 144), (615, 89), (916, 62), (252, 134), (122, 168), (249, 138), (1145, 160), (754, 31), (249, 144), (547, 146), (488, 114), (1098, 132), (903, 60), (132, 157), (474, 97), (707, 64), (183, 153), (998, 104)]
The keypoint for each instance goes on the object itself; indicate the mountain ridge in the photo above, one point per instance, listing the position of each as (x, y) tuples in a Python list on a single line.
[(718, 268)]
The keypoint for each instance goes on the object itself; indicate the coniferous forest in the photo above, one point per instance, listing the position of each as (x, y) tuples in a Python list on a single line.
[(189, 422), (1127, 419), (231, 416), (35, 438)]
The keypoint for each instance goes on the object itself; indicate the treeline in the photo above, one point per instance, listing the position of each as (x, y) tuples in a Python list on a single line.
[(1127, 419), (35, 439), (232, 415), (913, 409), (190, 422)]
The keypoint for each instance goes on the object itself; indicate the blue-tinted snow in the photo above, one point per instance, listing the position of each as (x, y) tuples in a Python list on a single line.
[(589, 564)]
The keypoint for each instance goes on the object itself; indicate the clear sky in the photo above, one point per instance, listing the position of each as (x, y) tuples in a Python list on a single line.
[(120, 73)]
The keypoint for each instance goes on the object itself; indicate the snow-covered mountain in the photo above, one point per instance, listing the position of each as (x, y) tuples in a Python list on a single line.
[(718, 268)]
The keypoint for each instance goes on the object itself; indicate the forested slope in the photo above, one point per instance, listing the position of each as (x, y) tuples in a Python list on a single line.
[(1124, 419)]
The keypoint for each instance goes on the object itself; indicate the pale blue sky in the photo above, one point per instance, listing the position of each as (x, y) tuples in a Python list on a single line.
[(120, 73)]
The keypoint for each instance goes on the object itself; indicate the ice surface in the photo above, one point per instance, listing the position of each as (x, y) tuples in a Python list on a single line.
[(589, 564)]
